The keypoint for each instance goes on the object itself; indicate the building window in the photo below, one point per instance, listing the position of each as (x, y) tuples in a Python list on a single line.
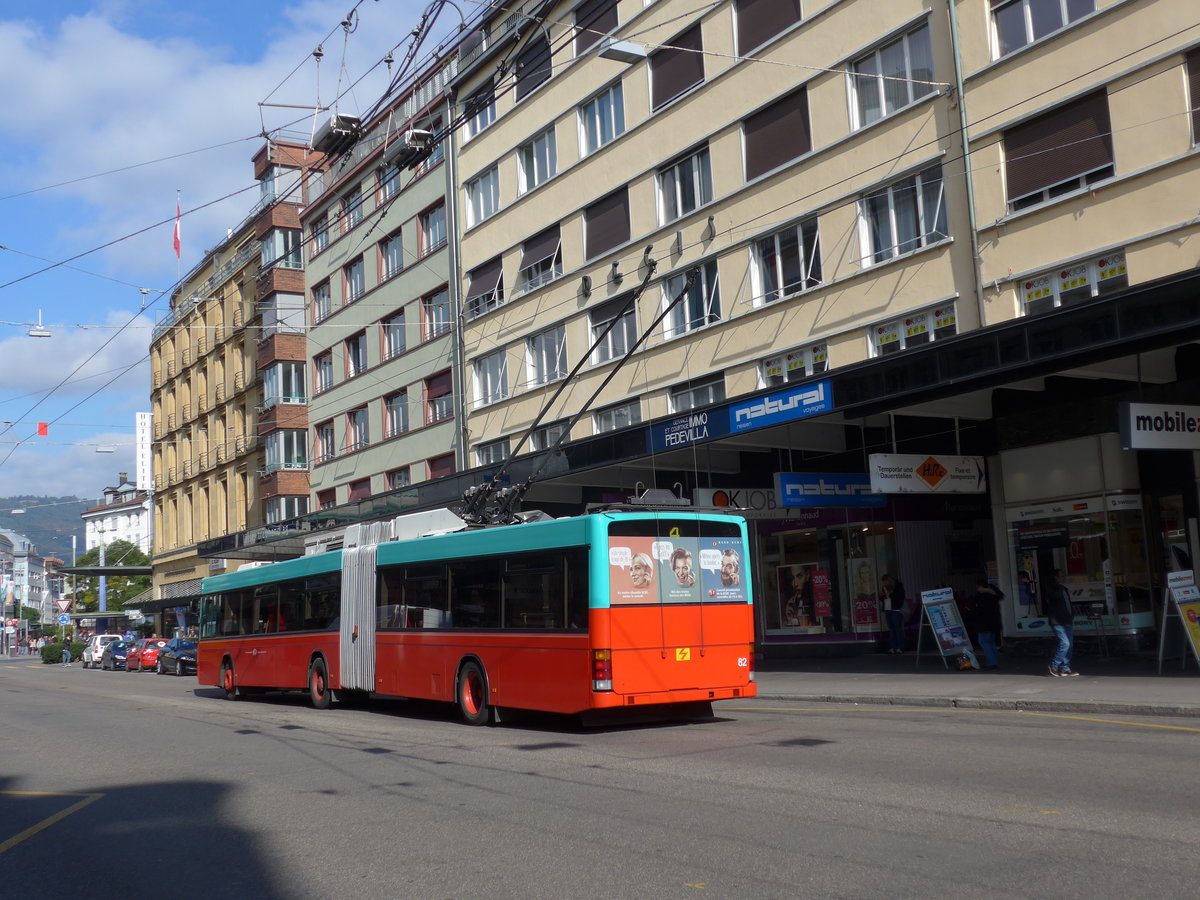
[(485, 291), (394, 339), (777, 134), (537, 161), (356, 354), (286, 449), (352, 210), (546, 356), (1059, 152), (327, 499), (548, 436), (439, 398), (398, 478), (323, 372), (433, 229), (793, 365), (593, 20), (283, 382), (359, 490), (437, 153), (533, 64), (280, 248), (787, 262), (695, 394), (904, 216), (321, 305), (914, 330), (620, 415), (441, 466), (677, 67), (480, 110), (1021, 22), (760, 20), (606, 223), (684, 186), (391, 255), (435, 309), (323, 443), (483, 196), (1074, 284), (389, 182), (395, 414), (358, 435), (280, 509), (354, 280), (492, 453), (892, 76), (1193, 92), (700, 306), (601, 119), (541, 260), (491, 378), (621, 314), (320, 234)]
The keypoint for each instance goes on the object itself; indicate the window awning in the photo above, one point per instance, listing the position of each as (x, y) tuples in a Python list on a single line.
[(538, 248), (484, 279)]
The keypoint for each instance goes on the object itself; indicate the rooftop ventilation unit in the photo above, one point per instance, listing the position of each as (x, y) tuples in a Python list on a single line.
[(409, 148), (338, 134)]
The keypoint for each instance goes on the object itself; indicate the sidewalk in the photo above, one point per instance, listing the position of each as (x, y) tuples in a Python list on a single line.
[(1121, 685)]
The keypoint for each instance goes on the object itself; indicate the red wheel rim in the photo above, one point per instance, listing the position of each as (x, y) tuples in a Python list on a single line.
[(472, 692), (318, 683), (228, 680)]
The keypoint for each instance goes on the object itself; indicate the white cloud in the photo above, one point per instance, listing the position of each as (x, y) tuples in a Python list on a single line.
[(77, 470)]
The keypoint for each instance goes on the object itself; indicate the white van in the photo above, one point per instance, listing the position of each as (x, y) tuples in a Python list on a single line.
[(95, 649)]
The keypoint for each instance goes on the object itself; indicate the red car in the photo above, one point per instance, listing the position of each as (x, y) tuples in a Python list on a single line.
[(144, 654)]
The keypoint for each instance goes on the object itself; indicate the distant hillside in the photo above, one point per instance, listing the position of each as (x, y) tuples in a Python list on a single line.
[(47, 521)]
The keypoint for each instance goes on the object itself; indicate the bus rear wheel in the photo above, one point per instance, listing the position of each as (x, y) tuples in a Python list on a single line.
[(472, 694), (228, 683), (318, 685)]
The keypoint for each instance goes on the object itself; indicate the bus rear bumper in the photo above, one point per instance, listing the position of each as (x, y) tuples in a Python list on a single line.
[(614, 700)]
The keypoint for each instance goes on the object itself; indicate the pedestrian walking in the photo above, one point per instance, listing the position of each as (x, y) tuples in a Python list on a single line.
[(66, 657), (894, 601), (988, 620), (1062, 620)]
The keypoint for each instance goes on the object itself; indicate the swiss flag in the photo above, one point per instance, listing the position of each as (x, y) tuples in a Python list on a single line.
[(177, 214)]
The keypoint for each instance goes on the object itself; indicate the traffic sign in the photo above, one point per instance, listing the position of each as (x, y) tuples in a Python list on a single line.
[(62, 605), (64, 619)]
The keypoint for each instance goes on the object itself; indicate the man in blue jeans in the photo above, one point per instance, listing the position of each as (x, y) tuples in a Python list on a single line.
[(893, 610), (1062, 620)]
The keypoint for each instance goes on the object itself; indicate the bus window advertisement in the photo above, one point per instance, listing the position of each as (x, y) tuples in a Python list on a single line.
[(631, 570), (721, 570), (675, 570), (679, 565)]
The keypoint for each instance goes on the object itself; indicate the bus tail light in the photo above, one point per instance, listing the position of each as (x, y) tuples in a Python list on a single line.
[(602, 670), (750, 663)]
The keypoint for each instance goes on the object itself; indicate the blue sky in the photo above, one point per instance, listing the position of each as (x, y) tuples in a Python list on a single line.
[(117, 105)]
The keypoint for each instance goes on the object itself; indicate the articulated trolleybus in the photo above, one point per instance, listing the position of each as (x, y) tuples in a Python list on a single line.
[(632, 611)]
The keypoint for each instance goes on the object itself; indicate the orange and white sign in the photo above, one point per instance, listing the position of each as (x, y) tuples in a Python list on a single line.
[(913, 473)]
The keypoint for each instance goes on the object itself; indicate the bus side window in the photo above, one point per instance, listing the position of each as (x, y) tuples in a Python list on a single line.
[(291, 602), (266, 601), (231, 612), (475, 593), (575, 578), (426, 598), (533, 593), (389, 612), (321, 601)]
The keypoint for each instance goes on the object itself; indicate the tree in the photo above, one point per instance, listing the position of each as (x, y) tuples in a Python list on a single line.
[(120, 587)]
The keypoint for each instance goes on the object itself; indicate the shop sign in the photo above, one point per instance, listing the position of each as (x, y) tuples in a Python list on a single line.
[(799, 489), (1158, 426), (915, 473), (781, 406), (685, 430)]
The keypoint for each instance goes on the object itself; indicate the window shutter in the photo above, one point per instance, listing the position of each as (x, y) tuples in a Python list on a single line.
[(533, 64), (1062, 144), (484, 280), (540, 247), (606, 223), (776, 134), (1193, 77), (677, 67), (593, 20), (760, 20)]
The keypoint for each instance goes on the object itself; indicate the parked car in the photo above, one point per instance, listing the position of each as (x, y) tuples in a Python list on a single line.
[(95, 649), (114, 653), (178, 657), (143, 656)]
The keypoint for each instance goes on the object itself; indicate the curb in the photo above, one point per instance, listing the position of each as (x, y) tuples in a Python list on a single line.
[(1108, 707)]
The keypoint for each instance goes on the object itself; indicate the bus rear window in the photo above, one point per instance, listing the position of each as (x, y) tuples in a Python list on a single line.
[(677, 561)]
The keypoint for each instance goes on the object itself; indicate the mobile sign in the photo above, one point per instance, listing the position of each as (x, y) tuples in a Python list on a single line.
[(941, 612)]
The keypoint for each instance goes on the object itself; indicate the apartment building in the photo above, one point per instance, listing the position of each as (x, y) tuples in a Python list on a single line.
[(785, 243), (221, 391), (380, 340)]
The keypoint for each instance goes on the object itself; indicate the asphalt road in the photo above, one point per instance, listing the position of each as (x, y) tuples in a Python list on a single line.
[(111, 781)]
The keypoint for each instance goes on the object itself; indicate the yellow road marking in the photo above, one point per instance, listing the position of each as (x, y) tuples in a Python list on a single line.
[(45, 823), (993, 712)]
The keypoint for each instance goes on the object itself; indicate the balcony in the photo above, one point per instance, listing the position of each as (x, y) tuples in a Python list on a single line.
[(222, 393)]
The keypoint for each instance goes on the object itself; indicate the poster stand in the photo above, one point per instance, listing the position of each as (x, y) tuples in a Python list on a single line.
[(939, 610), (1181, 603)]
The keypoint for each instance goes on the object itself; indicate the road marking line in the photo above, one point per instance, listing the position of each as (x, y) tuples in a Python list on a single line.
[(45, 823), (942, 709)]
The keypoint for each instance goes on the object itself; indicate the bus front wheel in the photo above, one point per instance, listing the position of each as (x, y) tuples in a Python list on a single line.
[(472, 694), (228, 683), (318, 685)]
